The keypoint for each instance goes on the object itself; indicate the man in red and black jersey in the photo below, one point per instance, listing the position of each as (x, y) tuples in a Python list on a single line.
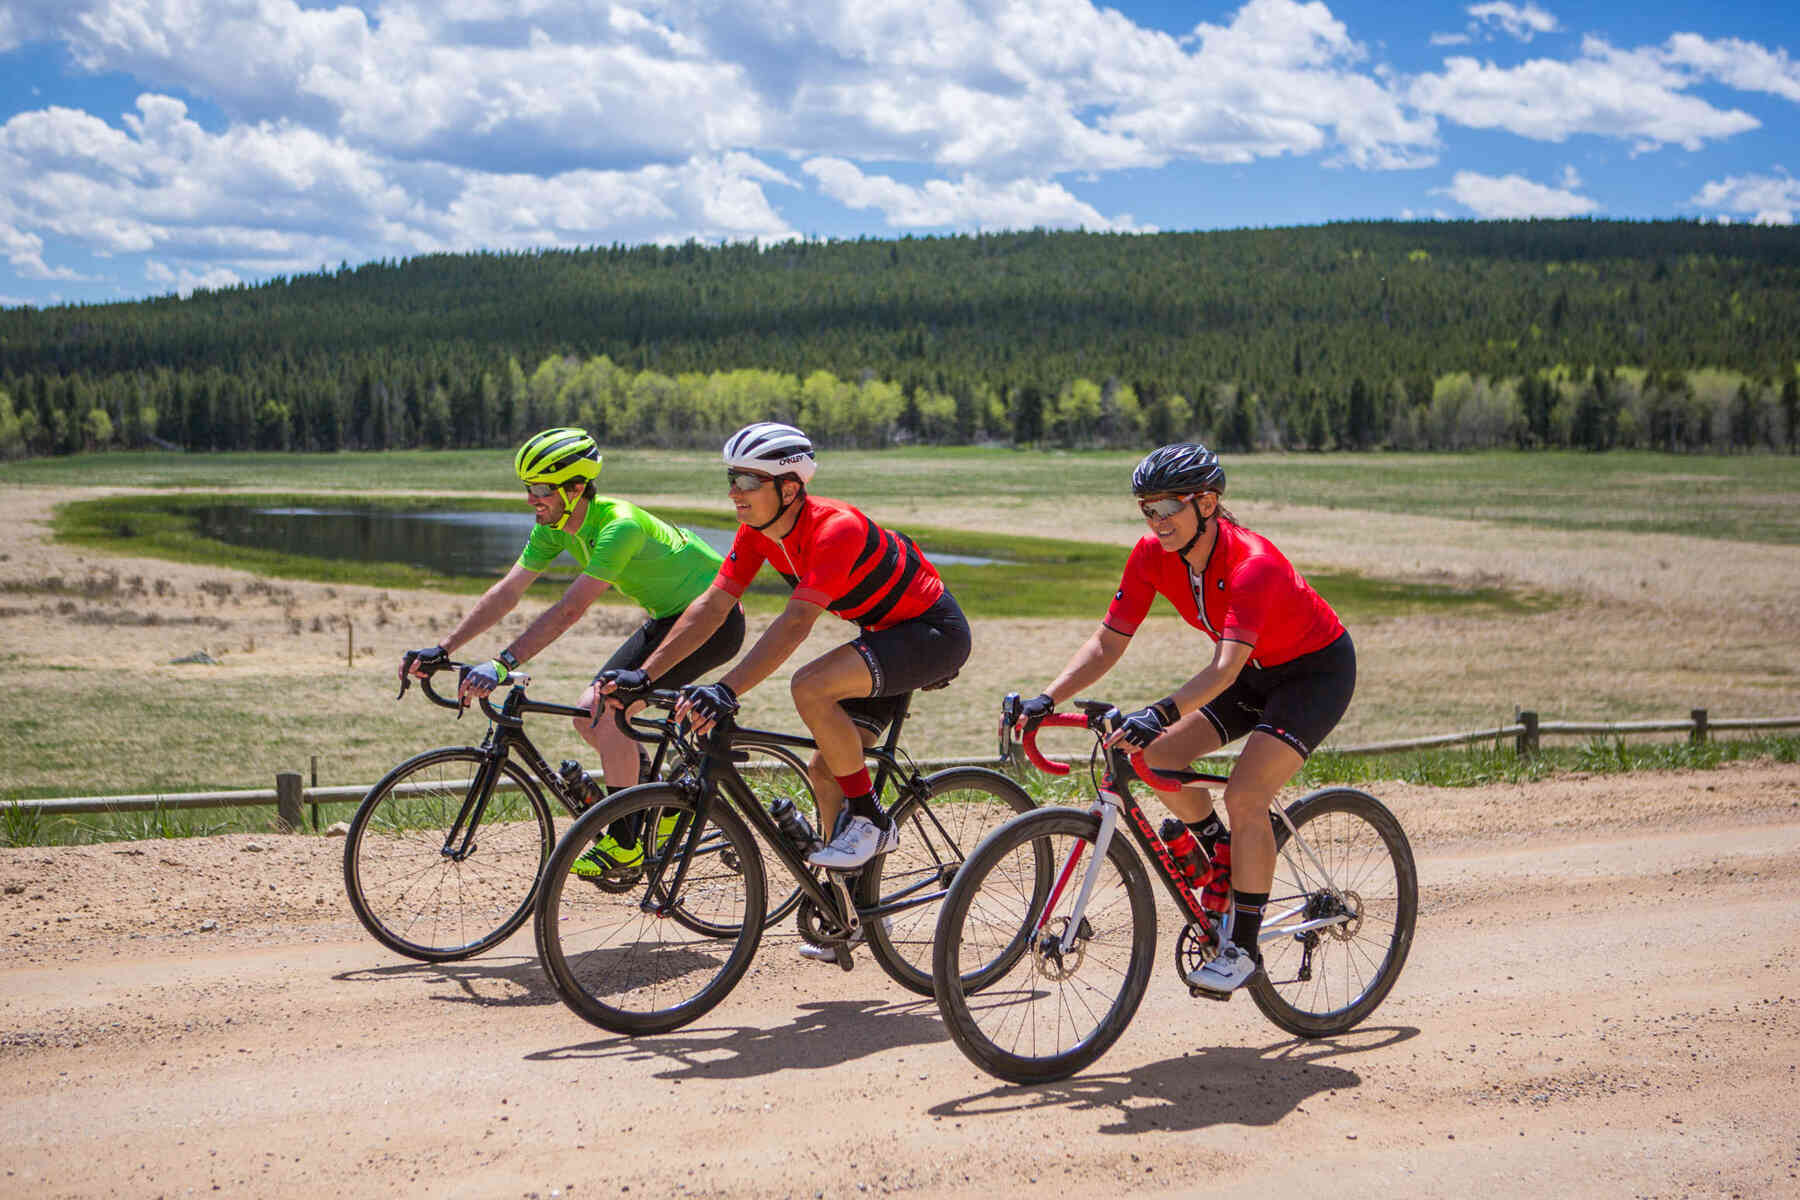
[(837, 560), (1282, 672)]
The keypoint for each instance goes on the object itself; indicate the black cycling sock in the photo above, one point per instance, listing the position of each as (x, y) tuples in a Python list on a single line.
[(865, 806), (625, 830), (1247, 922)]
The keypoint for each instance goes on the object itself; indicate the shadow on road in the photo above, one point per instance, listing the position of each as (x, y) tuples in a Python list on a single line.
[(494, 982), (826, 1034), (1233, 1085)]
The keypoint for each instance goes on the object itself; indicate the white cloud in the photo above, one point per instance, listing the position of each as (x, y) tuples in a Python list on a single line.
[(1765, 199), (184, 281), (1739, 64), (1450, 39), (967, 204), (1511, 197), (1632, 95), (273, 197), (1523, 23)]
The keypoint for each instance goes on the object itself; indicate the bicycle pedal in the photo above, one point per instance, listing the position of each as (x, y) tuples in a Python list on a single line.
[(1221, 997), (844, 961)]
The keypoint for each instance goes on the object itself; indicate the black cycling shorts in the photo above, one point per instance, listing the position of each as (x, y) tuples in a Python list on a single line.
[(714, 652), (924, 652), (1299, 701)]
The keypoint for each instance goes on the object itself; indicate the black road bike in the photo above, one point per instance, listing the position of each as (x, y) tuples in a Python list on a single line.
[(1335, 933), (445, 854), (656, 956)]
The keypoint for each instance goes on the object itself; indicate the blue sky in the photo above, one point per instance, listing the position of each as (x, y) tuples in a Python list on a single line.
[(149, 147)]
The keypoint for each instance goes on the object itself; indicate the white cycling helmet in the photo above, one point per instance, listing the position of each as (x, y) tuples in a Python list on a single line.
[(772, 449)]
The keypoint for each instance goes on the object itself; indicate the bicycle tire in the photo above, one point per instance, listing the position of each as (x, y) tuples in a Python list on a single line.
[(414, 898), (1350, 969), (939, 829), (612, 958), (1044, 1019)]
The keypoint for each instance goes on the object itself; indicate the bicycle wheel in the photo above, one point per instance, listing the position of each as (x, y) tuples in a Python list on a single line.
[(612, 956), (410, 886), (1323, 981), (1049, 1014), (939, 829)]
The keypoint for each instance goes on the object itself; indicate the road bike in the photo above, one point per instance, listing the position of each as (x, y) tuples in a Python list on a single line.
[(445, 853), (1335, 934), (660, 955)]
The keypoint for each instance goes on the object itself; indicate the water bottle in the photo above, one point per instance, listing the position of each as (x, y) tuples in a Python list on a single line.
[(1215, 894), (793, 825), (1184, 850), (581, 785)]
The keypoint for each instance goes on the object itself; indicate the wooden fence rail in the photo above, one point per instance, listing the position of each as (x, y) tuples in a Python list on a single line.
[(290, 794)]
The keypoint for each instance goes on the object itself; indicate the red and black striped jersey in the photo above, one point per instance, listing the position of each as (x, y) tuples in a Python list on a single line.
[(837, 558)]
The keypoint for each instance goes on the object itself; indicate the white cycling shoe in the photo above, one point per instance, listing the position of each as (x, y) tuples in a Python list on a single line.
[(855, 844), (1227, 973), (828, 954)]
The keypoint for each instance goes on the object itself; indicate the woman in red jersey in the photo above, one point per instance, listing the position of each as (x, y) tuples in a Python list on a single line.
[(911, 632), (1282, 672)]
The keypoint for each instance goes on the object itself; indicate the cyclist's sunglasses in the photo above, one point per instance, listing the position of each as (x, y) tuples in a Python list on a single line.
[(745, 481), (541, 491), (1162, 510)]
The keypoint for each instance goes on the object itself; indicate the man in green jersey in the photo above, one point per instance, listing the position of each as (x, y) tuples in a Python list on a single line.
[(618, 545)]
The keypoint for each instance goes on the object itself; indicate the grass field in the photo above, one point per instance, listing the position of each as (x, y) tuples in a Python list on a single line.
[(1752, 498), (1603, 587)]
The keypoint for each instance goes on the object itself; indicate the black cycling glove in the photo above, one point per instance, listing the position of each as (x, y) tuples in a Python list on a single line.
[(628, 680), (711, 701), (1144, 726), (1037, 708), (427, 659)]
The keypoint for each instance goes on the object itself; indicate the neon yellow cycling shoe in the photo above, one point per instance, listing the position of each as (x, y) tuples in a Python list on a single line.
[(607, 859)]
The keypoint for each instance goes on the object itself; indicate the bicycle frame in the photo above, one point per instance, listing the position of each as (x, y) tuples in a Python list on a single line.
[(714, 771), (1114, 798)]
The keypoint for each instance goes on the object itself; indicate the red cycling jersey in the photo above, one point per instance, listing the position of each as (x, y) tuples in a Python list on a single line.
[(837, 558), (1253, 595)]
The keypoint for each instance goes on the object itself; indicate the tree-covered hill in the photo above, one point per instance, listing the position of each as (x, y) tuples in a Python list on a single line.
[(1544, 332)]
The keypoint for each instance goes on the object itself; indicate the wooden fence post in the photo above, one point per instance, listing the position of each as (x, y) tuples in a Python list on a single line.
[(1527, 744), (349, 644), (287, 799), (1698, 734)]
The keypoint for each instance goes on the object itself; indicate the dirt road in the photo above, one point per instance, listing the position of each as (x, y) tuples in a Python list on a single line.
[(1603, 1000)]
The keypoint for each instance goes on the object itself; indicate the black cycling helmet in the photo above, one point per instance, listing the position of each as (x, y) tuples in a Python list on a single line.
[(1178, 468)]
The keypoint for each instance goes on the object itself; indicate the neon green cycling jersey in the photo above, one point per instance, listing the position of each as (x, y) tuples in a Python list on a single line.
[(659, 566)]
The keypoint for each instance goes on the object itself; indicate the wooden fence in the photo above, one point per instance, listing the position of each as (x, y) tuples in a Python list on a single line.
[(291, 794)]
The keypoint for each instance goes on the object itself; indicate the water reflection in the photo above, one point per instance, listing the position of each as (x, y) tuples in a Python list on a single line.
[(455, 543)]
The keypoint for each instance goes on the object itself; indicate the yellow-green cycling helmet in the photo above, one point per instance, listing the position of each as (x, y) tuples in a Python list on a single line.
[(558, 456)]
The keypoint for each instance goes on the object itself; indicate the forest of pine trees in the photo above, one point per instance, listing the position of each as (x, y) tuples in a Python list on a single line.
[(1668, 335)]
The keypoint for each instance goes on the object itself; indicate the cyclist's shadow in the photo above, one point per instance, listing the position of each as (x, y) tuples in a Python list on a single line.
[(1235, 1085), (828, 1033), (493, 982)]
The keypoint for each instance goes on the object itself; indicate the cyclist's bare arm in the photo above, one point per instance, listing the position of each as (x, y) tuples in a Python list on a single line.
[(1228, 659), (555, 621), (1098, 655), (701, 620), (495, 603), (775, 646)]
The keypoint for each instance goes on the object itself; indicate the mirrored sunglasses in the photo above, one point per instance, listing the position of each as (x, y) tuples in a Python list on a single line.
[(540, 491), (1162, 510), (744, 481)]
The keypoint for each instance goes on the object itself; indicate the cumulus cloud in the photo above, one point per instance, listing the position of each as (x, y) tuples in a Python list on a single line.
[(1512, 197), (1633, 95), (966, 204), (1764, 199), (1522, 22), (1739, 64), (274, 197)]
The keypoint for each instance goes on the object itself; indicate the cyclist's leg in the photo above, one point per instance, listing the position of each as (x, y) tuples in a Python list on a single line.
[(818, 688), (1194, 736), (619, 754)]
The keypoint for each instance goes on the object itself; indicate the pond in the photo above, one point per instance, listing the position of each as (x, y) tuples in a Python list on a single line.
[(455, 543)]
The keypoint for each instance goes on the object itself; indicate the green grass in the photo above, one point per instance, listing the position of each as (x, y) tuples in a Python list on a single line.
[(1471, 767), (1039, 577), (1752, 498)]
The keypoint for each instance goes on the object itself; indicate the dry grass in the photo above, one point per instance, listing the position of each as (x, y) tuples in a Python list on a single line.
[(1650, 626)]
